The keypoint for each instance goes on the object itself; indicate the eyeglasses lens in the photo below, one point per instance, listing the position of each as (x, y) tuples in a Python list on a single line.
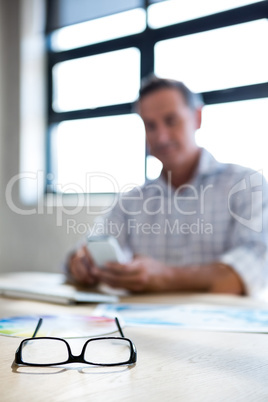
[(107, 351), (44, 351)]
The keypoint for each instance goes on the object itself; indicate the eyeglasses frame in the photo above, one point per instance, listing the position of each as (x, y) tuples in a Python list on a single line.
[(76, 358)]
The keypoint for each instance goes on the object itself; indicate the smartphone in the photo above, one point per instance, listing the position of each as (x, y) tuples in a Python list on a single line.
[(105, 249)]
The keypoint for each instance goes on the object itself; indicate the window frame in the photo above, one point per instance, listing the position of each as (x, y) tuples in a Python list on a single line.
[(145, 42)]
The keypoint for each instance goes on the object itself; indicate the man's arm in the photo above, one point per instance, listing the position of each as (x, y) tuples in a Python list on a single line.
[(80, 267), (214, 278), (145, 274)]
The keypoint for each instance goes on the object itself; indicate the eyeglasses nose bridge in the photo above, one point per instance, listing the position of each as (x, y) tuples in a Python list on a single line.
[(76, 358)]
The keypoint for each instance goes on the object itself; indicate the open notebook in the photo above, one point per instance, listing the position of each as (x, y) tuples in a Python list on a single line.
[(51, 287)]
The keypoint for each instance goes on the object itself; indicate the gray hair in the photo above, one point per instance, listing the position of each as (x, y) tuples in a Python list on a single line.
[(153, 83)]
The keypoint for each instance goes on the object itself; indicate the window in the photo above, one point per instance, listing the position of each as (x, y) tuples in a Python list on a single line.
[(90, 32), (170, 12), (237, 132), (97, 56), (87, 83), (79, 168), (220, 58)]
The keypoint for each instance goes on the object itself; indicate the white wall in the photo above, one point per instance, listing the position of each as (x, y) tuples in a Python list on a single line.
[(38, 241)]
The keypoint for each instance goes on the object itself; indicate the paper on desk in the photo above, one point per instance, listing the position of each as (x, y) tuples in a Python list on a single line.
[(191, 316), (50, 287)]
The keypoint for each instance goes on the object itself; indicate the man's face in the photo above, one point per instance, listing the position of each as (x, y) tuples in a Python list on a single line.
[(170, 127)]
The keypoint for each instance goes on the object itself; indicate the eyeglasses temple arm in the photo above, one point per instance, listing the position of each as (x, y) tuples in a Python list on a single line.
[(119, 327), (24, 343), (37, 327)]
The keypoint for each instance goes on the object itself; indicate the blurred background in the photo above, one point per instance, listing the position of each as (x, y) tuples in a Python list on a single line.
[(70, 140)]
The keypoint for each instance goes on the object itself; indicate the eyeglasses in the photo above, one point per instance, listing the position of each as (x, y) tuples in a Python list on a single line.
[(102, 351)]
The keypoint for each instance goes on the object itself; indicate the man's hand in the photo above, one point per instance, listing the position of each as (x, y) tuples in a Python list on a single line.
[(81, 267), (142, 274)]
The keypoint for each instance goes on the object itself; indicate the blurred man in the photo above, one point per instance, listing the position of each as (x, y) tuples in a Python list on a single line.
[(201, 226)]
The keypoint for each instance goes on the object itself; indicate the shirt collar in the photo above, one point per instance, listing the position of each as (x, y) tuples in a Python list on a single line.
[(207, 165)]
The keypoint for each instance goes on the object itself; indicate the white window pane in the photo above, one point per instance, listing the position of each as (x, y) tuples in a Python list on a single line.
[(174, 11), (221, 58), (99, 30), (237, 132), (89, 82), (101, 155), (153, 167)]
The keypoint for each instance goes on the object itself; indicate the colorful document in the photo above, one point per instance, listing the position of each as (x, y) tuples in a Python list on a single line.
[(191, 316)]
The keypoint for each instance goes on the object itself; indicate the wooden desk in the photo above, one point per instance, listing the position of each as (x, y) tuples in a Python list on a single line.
[(173, 364)]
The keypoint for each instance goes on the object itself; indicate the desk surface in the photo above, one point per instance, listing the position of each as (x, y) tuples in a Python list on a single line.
[(173, 364)]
